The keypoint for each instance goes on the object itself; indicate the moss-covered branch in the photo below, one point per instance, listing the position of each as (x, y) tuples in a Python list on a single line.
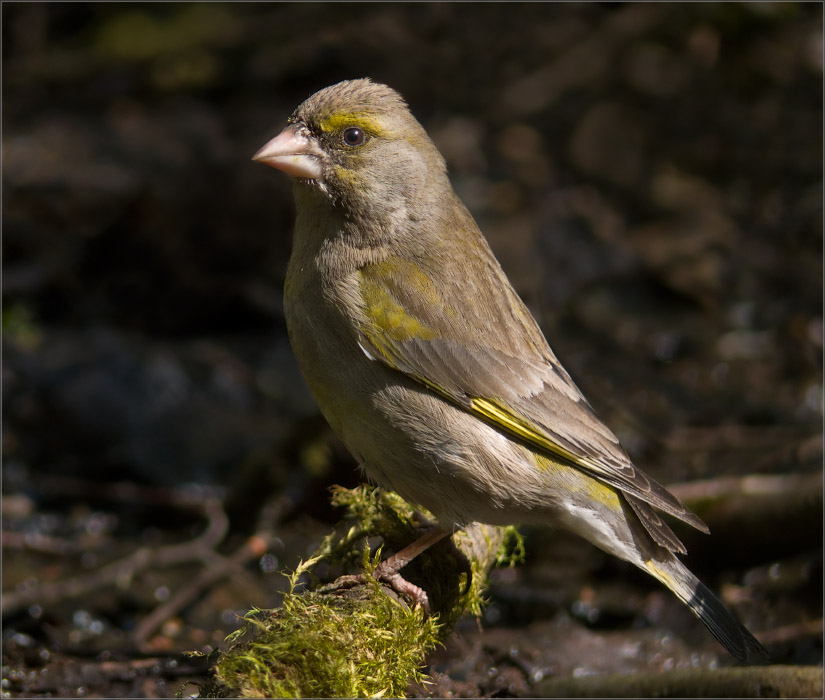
[(363, 640), (750, 682)]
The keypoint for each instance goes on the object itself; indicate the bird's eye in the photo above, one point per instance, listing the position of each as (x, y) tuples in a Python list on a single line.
[(353, 136)]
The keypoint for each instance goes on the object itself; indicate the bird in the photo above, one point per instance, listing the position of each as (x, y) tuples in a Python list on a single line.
[(430, 368)]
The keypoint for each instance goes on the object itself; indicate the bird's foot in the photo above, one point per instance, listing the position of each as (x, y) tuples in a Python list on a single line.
[(393, 579), (388, 570)]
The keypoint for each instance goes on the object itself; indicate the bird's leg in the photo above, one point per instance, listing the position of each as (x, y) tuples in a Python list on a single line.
[(388, 570), (392, 565)]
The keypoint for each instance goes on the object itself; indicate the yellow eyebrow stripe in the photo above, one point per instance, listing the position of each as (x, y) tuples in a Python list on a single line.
[(340, 120)]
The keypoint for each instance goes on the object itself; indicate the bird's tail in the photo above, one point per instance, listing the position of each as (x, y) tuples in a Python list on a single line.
[(708, 608)]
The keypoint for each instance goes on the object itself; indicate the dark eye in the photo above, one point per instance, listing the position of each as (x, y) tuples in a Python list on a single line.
[(353, 136)]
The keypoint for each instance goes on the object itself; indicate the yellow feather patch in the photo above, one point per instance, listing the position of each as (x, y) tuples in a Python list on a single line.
[(386, 315), (347, 175), (512, 423), (658, 572), (388, 271), (579, 482)]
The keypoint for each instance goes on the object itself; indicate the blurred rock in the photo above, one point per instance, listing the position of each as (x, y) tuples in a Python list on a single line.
[(162, 413)]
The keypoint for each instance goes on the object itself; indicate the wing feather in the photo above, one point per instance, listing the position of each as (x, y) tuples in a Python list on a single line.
[(513, 382)]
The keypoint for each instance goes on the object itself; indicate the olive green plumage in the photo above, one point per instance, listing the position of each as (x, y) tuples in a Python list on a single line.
[(429, 366)]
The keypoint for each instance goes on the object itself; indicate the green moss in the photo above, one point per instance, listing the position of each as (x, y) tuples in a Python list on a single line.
[(333, 641), (327, 646)]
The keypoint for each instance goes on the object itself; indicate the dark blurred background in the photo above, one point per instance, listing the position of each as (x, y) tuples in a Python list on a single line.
[(650, 176)]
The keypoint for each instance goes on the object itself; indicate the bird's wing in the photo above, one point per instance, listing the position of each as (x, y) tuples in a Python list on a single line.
[(478, 347)]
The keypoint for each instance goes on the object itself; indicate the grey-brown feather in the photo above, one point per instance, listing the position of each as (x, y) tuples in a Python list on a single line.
[(657, 528), (524, 376)]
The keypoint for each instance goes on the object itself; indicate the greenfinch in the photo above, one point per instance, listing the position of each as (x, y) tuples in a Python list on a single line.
[(428, 365)]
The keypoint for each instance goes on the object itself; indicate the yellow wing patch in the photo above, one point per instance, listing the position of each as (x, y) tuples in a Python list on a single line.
[(497, 414), (389, 272), (384, 314)]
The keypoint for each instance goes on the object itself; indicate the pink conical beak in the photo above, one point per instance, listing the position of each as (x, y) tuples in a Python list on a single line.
[(294, 152)]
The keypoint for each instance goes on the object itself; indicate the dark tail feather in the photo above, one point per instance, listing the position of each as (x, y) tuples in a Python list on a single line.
[(718, 619), (710, 610)]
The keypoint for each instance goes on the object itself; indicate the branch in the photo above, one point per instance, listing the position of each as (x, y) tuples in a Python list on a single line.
[(750, 682)]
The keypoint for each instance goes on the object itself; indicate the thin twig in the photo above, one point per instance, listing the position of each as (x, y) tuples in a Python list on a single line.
[(122, 571), (217, 568)]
